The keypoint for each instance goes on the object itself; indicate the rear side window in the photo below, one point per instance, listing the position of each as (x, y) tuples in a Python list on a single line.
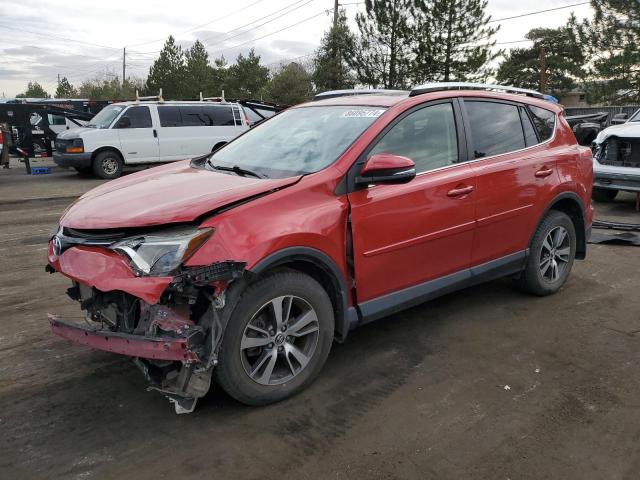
[(427, 136), (140, 117), (544, 121), (170, 116), (529, 133), (218, 116), (495, 128), (192, 116)]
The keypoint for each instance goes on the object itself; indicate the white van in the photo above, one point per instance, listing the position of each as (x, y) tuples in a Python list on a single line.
[(136, 133)]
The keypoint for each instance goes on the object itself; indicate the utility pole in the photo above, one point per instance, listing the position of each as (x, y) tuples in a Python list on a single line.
[(543, 71), (336, 5), (124, 64)]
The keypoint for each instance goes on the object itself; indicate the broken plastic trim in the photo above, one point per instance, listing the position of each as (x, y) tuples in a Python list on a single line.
[(216, 272)]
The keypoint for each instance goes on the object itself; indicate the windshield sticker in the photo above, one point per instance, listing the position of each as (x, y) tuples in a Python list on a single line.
[(362, 113)]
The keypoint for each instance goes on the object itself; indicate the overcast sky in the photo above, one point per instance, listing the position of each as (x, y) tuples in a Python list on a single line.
[(80, 39)]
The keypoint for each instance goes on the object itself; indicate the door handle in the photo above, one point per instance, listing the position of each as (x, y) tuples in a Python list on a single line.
[(544, 172), (155, 133), (460, 191)]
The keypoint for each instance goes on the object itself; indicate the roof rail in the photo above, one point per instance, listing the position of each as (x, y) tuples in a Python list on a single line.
[(357, 91), (150, 98), (440, 86)]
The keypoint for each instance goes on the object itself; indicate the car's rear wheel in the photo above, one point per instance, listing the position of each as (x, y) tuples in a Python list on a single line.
[(277, 339), (107, 165), (604, 194), (551, 255)]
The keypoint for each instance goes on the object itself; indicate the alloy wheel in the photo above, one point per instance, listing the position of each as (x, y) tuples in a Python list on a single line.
[(555, 254), (279, 340), (110, 165)]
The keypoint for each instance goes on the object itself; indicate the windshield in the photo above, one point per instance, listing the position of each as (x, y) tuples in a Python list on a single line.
[(106, 116), (635, 117), (297, 141)]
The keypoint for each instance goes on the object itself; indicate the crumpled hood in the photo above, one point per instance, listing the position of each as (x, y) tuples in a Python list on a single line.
[(624, 130), (171, 193)]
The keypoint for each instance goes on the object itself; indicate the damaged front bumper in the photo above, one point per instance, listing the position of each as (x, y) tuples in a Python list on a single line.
[(171, 326), (154, 348)]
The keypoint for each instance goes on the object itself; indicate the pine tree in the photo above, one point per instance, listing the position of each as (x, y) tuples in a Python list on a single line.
[(247, 78), (168, 71), (453, 40), (611, 41), (382, 56), (34, 90), (219, 76), (198, 73), (65, 89), (291, 85), (564, 61), (331, 67)]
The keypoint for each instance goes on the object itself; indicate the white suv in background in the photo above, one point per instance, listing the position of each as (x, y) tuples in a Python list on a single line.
[(137, 133), (616, 160)]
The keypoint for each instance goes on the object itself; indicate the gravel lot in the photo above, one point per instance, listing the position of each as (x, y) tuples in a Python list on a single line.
[(484, 383)]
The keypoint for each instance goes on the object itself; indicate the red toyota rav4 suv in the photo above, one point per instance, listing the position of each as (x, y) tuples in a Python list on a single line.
[(247, 263)]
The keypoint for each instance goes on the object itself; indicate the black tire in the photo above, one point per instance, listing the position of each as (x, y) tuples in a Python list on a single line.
[(604, 195), (230, 372), (84, 171), (532, 279), (107, 165)]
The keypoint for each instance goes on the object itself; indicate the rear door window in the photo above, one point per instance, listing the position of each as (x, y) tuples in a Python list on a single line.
[(544, 121), (170, 116), (218, 116), (193, 116), (495, 128)]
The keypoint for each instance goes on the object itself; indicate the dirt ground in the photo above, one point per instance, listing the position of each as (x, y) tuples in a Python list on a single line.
[(484, 383)]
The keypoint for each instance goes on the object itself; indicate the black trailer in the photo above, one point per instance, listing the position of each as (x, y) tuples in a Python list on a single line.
[(30, 127)]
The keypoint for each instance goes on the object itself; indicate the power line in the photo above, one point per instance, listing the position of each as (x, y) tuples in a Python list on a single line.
[(258, 26), (250, 24), (50, 35), (202, 24), (51, 50), (324, 12), (537, 12)]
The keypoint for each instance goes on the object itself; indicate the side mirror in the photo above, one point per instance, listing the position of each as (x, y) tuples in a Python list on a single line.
[(124, 122), (386, 168)]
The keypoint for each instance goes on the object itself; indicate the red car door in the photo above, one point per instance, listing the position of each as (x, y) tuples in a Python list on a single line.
[(512, 179), (407, 234)]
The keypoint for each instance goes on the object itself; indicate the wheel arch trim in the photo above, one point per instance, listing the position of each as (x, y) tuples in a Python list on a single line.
[(581, 233), (105, 148), (348, 316)]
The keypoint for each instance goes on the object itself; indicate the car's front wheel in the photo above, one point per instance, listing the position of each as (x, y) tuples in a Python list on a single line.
[(551, 255), (604, 194), (277, 339), (107, 165)]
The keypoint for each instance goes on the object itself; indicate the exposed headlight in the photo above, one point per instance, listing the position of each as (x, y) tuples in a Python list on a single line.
[(160, 253)]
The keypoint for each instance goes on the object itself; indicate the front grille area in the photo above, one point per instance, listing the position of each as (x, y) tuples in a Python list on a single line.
[(620, 152)]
